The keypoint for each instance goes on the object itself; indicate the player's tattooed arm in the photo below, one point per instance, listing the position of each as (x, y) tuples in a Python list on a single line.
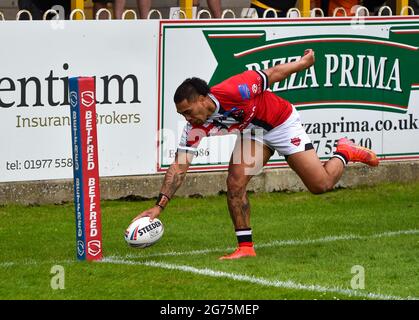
[(172, 181), (176, 173)]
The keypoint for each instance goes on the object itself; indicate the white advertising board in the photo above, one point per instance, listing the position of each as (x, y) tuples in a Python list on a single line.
[(36, 60), (364, 85)]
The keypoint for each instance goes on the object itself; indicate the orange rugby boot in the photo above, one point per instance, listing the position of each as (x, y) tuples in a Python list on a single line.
[(357, 153), (240, 253)]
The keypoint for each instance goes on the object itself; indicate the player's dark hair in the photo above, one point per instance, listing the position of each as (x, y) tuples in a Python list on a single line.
[(190, 89)]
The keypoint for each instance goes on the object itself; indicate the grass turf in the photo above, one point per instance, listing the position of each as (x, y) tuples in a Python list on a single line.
[(35, 238)]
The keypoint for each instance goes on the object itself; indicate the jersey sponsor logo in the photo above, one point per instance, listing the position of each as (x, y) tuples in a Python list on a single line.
[(296, 141), (255, 88), (244, 91)]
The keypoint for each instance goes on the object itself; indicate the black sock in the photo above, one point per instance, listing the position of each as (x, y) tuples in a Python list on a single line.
[(244, 237), (341, 157)]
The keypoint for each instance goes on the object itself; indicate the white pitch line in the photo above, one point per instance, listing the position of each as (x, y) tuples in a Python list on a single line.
[(277, 243), (34, 263), (7, 264), (288, 284)]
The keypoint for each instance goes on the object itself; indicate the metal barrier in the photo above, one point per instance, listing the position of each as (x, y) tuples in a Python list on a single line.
[(380, 12), (337, 9), (290, 11), (99, 12), (46, 13), (200, 12), (153, 11), (226, 11), (314, 10), (359, 9), (124, 14), (408, 8), (177, 13), (19, 13), (73, 13), (265, 13)]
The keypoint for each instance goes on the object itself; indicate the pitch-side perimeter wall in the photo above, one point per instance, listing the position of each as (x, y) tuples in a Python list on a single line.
[(364, 85)]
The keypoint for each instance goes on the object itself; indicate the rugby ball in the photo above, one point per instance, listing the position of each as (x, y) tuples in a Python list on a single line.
[(143, 233)]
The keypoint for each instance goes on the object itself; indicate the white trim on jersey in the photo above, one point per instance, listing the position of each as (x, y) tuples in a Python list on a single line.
[(217, 103), (265, 79), (183, 144)]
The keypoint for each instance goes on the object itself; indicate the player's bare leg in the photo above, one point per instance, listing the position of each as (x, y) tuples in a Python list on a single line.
[(118, 8), (144, 7), (241, 169), (318, 178), (247, 159)]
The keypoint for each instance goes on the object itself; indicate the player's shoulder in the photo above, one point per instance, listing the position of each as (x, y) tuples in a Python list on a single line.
[(248, 77)]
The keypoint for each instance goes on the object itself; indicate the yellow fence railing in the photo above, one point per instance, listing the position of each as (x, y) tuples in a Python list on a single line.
[(187, 5), (304, 7), (400, 4), (77, 4)]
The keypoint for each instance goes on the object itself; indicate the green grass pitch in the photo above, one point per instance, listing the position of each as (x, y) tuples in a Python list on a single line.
[(307, 246)]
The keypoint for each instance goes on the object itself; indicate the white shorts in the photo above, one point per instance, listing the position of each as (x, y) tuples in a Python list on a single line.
[(287, 138)]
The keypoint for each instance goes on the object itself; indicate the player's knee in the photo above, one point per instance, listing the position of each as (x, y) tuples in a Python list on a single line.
[(320, 187), (235, 184)]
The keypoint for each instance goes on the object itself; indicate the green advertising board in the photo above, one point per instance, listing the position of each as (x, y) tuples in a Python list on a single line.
[(363, 85)]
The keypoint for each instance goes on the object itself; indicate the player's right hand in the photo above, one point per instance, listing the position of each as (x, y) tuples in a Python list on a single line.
[(152, 213), (308, 58)]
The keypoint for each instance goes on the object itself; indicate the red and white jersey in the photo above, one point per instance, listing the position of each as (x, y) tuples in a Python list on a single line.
[(242, 102)]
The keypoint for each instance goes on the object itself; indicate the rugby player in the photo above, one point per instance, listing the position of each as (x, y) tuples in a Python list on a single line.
[(243, 105)]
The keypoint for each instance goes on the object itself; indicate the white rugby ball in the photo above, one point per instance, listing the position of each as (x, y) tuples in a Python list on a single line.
[(143, 233)]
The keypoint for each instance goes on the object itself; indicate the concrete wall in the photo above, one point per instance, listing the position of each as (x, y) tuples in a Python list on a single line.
[(199, 184)]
